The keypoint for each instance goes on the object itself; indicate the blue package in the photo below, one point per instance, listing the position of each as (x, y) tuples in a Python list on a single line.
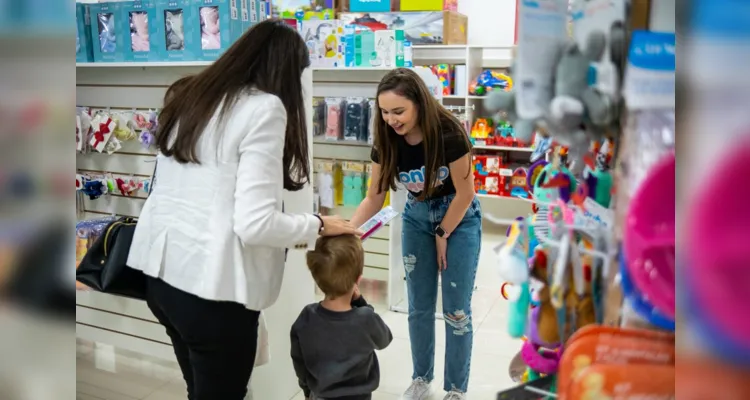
[(84, 52), (212, 32), (139, 21), (107, 37), (177, 23)]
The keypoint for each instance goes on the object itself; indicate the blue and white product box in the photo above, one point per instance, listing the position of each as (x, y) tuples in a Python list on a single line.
[(138, 20), (265, 10), (369, 5), (347, 40), (650, 73), (107, 37), (177, 23), (212, 31), (84, 51)]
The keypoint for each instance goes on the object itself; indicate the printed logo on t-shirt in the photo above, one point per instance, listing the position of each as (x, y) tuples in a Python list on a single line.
[(414, 179)]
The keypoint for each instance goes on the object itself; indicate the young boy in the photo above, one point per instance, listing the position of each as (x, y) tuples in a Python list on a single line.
[(334, 341)]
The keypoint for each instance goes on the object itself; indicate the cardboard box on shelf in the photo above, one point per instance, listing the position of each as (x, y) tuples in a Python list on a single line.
[(420, 28)]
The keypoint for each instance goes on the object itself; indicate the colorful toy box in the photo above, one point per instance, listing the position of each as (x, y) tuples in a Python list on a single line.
[(142, 40), (178, 23), (213, 34), (369, 5), (84, 50), (420, 28), (107, 36), (323, 39), (444, 72)]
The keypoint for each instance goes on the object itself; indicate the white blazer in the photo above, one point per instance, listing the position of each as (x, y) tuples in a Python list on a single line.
[(217, 229)]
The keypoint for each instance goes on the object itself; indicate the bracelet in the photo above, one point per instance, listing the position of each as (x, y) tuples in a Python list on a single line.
[(543, 363), (322, 224)]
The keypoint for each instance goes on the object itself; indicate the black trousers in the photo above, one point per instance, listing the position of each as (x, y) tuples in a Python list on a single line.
[(214, 341)]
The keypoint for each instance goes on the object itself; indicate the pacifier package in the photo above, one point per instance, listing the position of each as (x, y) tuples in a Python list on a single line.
[(84, 50), (108, 38), (176, 22), (138, 20), (211, 28)]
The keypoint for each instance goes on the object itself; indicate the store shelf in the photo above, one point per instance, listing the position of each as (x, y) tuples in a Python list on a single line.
[(504, 148), (340, 142), (151, 64)]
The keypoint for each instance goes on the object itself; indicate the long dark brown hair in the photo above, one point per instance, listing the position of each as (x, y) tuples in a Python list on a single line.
[(433, 120), (270, 57)]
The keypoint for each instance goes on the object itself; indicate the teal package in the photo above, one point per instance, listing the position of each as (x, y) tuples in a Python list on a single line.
[(107, 37), (235, 19), (177, 23), (212, 35), (252, 13), (348, 41), (84, 51), (142, 41)]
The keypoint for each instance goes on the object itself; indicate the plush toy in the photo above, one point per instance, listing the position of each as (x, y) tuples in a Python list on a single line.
[(578, 111)]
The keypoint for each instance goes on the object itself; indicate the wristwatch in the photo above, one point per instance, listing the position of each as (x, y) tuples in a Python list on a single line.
[(439, 231)]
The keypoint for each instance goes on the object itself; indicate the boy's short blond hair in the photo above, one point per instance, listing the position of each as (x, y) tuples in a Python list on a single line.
[(336, 263)]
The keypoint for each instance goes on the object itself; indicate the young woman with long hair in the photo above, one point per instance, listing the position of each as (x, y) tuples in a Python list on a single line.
[(423, 147), (212, 235)]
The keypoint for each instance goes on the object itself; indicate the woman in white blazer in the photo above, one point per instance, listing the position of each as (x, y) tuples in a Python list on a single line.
[(212, 235)]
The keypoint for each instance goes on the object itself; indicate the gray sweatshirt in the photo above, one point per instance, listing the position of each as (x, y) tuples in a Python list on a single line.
[(334, 352)]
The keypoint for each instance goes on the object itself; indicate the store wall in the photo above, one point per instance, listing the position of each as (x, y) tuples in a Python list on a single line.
[(491, 22)]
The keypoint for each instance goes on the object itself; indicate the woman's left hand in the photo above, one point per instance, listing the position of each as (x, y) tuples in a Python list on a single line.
[(442, 247)]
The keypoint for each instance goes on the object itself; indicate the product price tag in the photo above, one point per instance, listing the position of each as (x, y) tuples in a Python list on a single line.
[(594, 216)]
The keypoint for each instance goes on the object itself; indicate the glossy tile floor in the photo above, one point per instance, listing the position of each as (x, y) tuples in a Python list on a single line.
[(106, 373)]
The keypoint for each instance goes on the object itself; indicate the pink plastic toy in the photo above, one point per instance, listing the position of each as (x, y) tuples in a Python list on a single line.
[(717, 245), (649, 242)]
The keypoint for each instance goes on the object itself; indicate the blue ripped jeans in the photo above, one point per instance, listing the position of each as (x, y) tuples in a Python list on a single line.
[(420, 261)]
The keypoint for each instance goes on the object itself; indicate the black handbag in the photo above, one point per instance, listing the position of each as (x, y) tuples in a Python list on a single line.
[(104, 267)]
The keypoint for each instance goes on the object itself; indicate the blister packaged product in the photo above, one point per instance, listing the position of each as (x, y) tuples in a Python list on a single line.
[(319, 116), (334, 118), (355, 119), (371, 122)]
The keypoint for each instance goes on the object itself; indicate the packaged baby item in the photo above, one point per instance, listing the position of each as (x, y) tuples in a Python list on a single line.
[(354, 183), (139, 20), (236, 23), (107, 38), (385, 49), (334, 118), (84, 52), (355, 119), (323, 39), (214, 33), (176, 22)]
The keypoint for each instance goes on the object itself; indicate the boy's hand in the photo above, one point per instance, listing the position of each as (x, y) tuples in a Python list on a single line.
[(356, 295)]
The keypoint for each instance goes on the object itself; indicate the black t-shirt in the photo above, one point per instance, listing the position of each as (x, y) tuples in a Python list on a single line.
[(410, 159)]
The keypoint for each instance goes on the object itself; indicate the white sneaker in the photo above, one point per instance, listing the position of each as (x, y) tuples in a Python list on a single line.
[(420, 389), (454, 395)]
